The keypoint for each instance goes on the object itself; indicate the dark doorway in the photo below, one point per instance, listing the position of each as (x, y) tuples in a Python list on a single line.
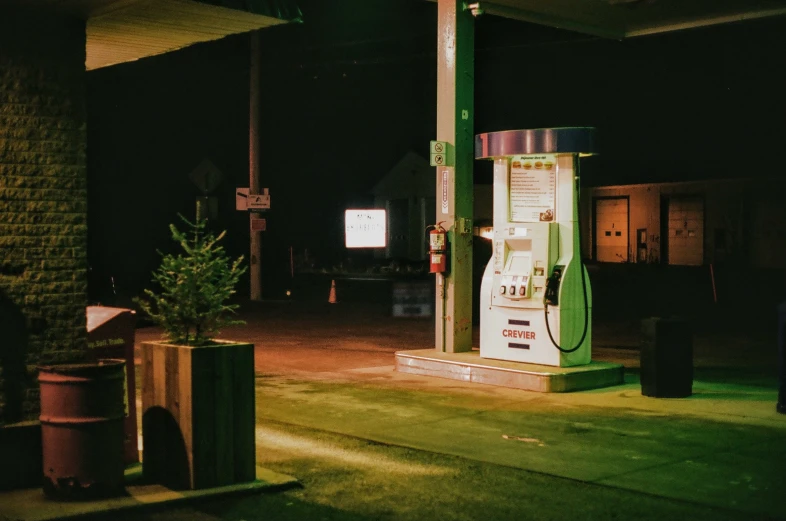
[(641, 245)]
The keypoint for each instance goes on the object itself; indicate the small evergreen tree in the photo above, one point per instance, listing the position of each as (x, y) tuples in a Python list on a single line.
[(195, 286)]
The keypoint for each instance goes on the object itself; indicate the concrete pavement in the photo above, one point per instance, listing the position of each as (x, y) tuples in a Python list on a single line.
[(722, 447), (331, 368)]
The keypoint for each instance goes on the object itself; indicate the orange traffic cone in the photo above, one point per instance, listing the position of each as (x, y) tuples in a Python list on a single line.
[(332, 297)]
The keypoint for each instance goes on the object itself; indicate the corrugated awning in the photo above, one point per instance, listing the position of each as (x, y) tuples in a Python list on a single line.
[(120, 31), (282, 9), (150, 27)]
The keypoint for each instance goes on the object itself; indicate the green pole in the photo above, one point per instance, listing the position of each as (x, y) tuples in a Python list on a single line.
[(455, 125)]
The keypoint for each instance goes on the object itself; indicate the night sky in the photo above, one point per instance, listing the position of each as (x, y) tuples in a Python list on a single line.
[(352, 89)]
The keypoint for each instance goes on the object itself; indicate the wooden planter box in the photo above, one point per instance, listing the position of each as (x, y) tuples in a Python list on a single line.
[(198, 414)]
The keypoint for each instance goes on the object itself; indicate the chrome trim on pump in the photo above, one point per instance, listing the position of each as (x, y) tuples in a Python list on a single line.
[(564, 140)]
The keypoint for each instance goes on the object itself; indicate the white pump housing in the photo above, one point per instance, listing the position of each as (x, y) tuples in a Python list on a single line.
[(536, 254)]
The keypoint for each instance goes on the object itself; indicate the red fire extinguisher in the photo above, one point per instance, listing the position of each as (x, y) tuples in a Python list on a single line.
[(437, 248)]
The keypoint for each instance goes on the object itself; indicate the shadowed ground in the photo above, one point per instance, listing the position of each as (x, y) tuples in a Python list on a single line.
[(367, 442)]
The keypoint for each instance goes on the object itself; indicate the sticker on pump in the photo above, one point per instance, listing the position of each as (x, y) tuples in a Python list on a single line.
[(499, 255)]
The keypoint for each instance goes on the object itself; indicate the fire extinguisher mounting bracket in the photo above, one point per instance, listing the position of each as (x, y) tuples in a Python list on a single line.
[(464, 225)]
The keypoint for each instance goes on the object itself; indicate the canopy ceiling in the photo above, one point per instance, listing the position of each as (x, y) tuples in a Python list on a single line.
[(627, 18), (125, 30)]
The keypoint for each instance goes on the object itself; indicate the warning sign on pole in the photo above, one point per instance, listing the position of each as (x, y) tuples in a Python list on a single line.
[(247, 202), (258, 202), (445, 174), (241, 199), (258, 225)]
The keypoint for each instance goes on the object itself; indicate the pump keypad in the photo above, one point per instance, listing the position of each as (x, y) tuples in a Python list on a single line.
[(515, 287)]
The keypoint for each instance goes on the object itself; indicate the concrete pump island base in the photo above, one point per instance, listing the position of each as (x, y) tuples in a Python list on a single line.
[(470, 367), (535, 296)]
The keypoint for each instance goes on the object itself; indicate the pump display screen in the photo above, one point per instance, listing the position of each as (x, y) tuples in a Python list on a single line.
[(533, 188), (519, 264)]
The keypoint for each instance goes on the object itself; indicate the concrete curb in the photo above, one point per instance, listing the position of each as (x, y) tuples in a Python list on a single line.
[(32, 505)]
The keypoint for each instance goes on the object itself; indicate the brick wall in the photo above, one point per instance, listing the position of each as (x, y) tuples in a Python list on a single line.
[(43, 202)]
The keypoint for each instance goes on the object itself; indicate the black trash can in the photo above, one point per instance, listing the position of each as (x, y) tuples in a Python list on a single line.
[(666, 358)]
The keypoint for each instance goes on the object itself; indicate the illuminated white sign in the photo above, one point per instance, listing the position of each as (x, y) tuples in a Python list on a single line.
[(365, 228)]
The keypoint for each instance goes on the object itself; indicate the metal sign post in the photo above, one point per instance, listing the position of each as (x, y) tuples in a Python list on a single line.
[(255, 239)]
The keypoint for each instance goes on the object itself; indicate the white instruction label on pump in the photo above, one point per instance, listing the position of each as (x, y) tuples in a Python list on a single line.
[(499, 255), (533, 188)]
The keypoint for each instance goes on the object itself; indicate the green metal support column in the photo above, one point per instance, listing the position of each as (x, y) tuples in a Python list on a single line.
[(455, 125)]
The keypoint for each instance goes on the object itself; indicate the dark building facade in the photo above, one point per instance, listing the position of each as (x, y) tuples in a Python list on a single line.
[(43, 203)]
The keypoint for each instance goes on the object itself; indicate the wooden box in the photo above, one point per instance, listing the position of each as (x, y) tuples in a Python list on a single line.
[(198, 414)]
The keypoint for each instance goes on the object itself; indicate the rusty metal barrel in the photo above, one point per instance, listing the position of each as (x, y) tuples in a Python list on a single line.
[(82, 435)]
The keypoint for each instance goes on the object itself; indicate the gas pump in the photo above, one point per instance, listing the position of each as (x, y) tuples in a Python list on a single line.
[(536, 299)]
